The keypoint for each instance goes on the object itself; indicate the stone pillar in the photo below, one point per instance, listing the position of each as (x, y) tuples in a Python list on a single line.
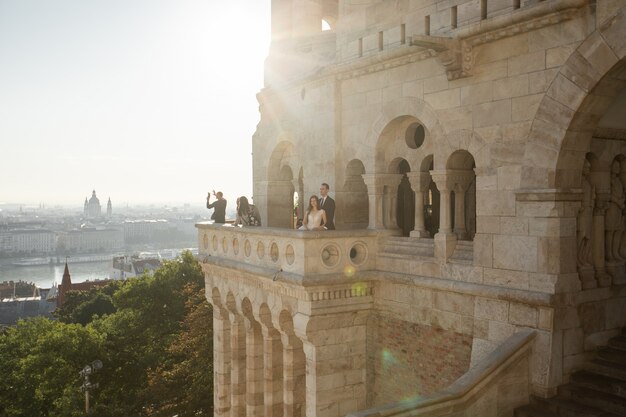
[(459, 212), (419, 183), (280, 204), (254, 369), (273, 373), (461, 181), (335, 350), (261, 190), (445, 240), (375, 196), (221, 362), (294, 376), (238, 366), (391, 183)]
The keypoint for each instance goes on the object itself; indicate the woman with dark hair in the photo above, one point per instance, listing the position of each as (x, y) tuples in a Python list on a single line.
[(247, 214), (314, 217)]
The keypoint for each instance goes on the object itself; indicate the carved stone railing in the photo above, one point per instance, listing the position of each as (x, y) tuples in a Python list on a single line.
[(297, 252)]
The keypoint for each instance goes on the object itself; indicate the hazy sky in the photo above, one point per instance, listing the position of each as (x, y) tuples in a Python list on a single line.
[(143, 100)]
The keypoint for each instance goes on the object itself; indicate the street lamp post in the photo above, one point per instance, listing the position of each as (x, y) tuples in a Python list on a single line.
[(88, 386)]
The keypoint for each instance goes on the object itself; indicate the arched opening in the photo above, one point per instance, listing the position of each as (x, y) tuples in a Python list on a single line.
[(353, 200), (405, 200), (462, 184)]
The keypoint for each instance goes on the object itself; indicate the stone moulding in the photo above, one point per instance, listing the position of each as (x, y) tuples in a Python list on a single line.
[(610, 134), (459, 60), (561, 194), (466, 390)]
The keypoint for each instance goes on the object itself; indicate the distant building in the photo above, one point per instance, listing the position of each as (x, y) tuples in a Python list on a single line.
[(109, 208), (125, 267), (92, 209), (21, 300), (66, 285), (91, 239), (146, 230), (27, 241)]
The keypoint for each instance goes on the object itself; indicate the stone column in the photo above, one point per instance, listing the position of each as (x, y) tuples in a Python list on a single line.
[(221, 362), (238, 366), (445, 240), (273, 373), (280, 204), (261, 190), (391, 183), (461, 180), (335, 350), (294, 376), (419, 182), (375, 196), (254, 369)]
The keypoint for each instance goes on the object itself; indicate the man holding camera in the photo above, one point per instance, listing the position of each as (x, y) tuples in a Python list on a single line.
[(218, 206)]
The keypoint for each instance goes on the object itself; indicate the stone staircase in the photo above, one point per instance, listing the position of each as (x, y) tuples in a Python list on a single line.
[(463, 252), (597, 391), (406, 247)]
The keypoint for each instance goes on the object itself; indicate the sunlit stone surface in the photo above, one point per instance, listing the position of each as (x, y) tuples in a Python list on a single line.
[(476, 151)]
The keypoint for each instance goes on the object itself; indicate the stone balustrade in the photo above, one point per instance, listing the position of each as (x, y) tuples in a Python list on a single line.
[(299, 252)]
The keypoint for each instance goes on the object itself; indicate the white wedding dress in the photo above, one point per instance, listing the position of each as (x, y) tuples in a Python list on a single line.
[(314, 219)]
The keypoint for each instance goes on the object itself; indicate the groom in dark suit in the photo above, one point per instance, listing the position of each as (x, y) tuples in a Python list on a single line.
[(328, 204)]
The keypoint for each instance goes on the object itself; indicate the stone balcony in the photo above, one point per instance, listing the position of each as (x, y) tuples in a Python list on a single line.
[(296, 253)]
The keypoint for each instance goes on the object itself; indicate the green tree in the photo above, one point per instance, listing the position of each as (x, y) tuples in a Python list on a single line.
[(140, 329), (149, 317), (182, 385), (40, 360), (81, 306)]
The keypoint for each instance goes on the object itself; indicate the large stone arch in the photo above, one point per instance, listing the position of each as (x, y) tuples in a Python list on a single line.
[(462, 140), (399, 110), (568, 114)]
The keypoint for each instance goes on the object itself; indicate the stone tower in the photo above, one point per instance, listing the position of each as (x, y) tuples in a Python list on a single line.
[(476, 151), (109, 208), (66, 285)]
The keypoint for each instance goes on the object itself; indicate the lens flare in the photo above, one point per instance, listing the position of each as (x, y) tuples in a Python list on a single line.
[(349, 271), (359, 288)]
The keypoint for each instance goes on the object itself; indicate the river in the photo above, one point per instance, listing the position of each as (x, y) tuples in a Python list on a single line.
[(44, 275)]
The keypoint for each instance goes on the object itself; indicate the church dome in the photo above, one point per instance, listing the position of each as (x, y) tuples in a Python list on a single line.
[(94, 199)]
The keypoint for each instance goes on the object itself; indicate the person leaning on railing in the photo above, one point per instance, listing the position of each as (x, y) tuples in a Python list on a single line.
[(247, 214)]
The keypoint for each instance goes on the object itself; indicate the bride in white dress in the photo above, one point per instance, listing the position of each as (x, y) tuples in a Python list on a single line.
[(315, 217)]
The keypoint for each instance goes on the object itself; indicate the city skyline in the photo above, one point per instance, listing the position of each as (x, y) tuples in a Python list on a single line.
[(152, 102)]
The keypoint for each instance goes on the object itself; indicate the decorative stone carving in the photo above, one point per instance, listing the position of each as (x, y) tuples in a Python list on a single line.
[(454, 54)]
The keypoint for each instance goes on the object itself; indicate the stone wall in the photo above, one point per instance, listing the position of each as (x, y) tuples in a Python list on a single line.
[(408, 359)]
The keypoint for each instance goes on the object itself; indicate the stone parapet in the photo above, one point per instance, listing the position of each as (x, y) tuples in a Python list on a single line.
[(305, 254)]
